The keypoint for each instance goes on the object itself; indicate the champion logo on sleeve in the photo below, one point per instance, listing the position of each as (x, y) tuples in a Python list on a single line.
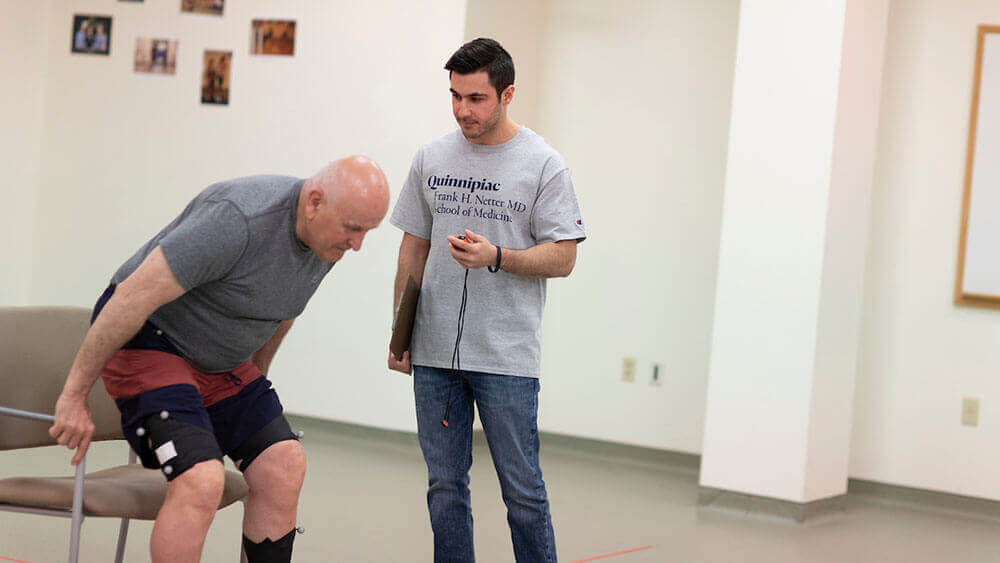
[(579, 222)]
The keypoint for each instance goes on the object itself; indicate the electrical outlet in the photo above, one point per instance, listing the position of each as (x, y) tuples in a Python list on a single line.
[(970, 411), (655, 377), (628, 369)]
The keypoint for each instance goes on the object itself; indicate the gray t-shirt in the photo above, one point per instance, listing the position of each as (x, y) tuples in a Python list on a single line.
[(243, 269), (517, 194)]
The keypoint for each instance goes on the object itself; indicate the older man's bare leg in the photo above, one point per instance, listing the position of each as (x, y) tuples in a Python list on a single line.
[(275, 478), (182, 524)]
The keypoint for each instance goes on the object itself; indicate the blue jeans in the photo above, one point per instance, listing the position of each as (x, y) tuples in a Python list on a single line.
[(508, 409)]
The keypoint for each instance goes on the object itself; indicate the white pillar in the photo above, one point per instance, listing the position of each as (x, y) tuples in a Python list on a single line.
[(791, 264)]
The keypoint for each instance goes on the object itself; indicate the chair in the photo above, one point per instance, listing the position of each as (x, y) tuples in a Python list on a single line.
[(37, 347)]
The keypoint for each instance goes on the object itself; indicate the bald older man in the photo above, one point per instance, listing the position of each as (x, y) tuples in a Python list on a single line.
[(188, 327)]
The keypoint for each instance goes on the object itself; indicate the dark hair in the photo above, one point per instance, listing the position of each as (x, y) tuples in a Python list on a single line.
[(484, 54)]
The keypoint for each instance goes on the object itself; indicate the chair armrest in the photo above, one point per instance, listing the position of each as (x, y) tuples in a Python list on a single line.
[(27, 414)]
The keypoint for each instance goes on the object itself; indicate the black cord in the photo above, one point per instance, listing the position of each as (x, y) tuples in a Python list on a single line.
[(456, 355)]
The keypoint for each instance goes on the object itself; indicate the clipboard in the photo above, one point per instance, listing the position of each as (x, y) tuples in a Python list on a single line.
[(402, 319)]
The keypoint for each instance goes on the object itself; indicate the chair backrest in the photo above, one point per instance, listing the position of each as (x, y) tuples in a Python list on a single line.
[(37, 348)]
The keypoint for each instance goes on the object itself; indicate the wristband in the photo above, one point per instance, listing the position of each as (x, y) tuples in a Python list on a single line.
[(495, 269)]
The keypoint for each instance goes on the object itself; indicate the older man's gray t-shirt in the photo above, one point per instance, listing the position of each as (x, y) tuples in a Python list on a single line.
[(235, 252), (517, 194)]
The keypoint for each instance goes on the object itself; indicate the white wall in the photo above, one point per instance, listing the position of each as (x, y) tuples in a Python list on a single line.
[(23, 53), (768, 294), (791, 266), (636, 99), (847, 219), (519, 26), (123, 152), (635, 95), (920, 354)]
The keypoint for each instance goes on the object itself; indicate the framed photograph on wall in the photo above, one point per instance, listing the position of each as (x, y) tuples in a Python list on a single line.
[(91, 34), (213, 7), (215, 77), (272, 37), (155, 55), (978, 277)]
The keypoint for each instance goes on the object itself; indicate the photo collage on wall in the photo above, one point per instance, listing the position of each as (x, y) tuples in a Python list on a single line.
[(272, 37), (215, 77), (91, 34), (155, 55), (213, 7)]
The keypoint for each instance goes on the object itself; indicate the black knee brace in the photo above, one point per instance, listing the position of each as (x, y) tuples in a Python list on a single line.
[(273, 432), (179, 445), (268, 551)]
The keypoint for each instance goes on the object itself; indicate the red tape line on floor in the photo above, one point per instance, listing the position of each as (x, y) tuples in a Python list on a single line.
[(14, 560), (614, 554)]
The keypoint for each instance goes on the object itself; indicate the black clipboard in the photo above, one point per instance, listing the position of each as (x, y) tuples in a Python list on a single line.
[(402, 319)]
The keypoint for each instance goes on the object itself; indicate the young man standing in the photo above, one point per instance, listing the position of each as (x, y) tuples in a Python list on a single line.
[(488, 212)]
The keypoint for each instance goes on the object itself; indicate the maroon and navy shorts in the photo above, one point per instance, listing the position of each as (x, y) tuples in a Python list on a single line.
[(148, 375)]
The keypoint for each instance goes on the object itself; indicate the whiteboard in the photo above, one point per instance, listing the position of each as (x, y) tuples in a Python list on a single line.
[(978, 279)]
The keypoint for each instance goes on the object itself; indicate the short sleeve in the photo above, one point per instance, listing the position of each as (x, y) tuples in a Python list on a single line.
[(556, 214), (411, 213), (206, 244)]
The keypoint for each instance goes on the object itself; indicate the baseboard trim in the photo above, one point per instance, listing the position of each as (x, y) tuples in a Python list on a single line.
[(623, 453), (351, 430), (753, 505), (615, 451), (923, 499), (708, 497)]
